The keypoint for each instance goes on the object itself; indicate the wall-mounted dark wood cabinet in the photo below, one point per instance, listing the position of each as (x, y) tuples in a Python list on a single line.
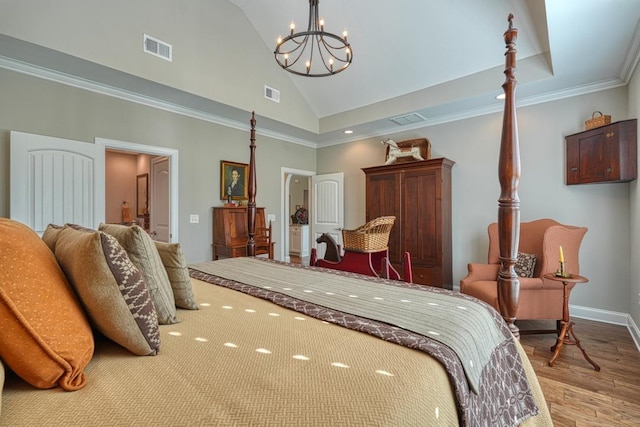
[(604, 154), (418, 194)]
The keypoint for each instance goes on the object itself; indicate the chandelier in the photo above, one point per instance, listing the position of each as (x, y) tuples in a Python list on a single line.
[(313, 53)]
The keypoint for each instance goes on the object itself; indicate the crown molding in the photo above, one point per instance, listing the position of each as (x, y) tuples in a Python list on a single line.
[(103, 89)]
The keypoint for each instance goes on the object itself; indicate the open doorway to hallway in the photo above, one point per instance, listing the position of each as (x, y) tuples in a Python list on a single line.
[(138, 160), (293, 195), (132, 195)]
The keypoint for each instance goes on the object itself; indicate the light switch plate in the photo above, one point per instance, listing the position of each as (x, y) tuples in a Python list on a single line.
[(271, 217), (194, 219)]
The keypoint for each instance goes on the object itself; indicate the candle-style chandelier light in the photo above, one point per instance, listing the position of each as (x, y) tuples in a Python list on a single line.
[(315, 52)]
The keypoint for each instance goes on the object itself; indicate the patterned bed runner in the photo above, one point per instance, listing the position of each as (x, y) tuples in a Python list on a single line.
[(468, 338)]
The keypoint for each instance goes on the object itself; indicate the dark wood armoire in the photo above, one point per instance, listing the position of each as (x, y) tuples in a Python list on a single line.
[(418, 194)]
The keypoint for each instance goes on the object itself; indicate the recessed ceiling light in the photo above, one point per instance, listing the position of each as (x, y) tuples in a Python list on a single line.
[(348, 131)]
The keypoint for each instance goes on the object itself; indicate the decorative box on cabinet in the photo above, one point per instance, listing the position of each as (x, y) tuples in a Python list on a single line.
[(604, 154), (419, 195), (230, 231), (299, 240)]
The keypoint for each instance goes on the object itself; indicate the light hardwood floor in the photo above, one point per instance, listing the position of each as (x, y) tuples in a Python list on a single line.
[(576, 394)]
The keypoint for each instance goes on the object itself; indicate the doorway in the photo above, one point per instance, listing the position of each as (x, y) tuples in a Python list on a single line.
[(287, 177), (172, 176)]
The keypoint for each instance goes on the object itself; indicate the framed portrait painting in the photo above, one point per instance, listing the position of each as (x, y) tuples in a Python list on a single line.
[(233, 180)]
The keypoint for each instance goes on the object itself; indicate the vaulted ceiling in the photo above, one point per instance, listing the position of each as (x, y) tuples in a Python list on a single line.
[(443, 59)]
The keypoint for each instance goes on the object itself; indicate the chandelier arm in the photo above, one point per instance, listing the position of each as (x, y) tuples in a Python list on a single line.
[(292, 61), (299, 48), (298, 44), (330, 49), (320, 51)]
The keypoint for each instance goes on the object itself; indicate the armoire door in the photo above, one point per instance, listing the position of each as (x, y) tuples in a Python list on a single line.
[(383, 199), (421, 216), (421, 221)]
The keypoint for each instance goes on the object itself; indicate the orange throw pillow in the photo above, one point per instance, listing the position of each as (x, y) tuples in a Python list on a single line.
[(45, 336)]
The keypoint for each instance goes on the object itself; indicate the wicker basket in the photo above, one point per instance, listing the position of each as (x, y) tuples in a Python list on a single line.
[(597, 121), (373, 236)]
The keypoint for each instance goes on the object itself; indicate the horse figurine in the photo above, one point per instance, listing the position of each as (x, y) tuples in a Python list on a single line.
[(331, 253), (396, 152)]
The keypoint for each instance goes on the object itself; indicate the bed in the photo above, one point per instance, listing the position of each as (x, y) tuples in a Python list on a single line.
[(214, 369), (251, 348)]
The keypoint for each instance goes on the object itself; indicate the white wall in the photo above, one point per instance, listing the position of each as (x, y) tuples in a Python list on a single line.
[(474, 144), (634, 232)]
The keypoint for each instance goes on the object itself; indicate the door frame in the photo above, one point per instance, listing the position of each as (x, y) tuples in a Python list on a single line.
[(172, 154), (286, 174)]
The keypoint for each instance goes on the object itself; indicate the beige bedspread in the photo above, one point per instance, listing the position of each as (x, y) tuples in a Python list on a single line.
[(240, 360), (463, 325)]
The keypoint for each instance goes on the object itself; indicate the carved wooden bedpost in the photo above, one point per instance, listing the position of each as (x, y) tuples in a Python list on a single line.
[(251, 206), (509, 203)]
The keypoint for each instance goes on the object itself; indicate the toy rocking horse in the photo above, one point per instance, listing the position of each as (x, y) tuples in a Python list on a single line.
[(359, 262), (332, 253), (396, 152)]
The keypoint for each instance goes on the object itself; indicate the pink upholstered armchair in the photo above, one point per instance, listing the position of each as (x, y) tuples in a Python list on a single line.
[(539, 298)]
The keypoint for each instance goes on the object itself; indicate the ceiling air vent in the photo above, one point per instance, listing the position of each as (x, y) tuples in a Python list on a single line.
[(157, 48), (408, 119), (272, 94)]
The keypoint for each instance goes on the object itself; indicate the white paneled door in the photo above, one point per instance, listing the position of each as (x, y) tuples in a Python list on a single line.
[(56, 181), (327, 204), (160, 200)]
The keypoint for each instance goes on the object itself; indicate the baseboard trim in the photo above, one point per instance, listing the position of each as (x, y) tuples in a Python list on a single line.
[(607, 316), (598, 315), (635, 332)]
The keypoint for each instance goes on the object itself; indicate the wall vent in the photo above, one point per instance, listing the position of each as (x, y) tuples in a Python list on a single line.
[(157, 48), (408, 119), (272, 94)]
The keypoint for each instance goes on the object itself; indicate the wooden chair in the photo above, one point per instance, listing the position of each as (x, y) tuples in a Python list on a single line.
[(264, 244)]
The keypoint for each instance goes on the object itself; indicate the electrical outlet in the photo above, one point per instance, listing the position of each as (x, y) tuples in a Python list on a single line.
[(194, 219), (271, 217)]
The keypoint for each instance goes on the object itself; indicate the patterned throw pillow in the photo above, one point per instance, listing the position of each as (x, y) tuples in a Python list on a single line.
[(144, 255), (110, 287), (525, 264), (45, 336), (178, 272)]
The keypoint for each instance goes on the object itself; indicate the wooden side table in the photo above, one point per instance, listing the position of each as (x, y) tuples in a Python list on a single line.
[(567, 335)]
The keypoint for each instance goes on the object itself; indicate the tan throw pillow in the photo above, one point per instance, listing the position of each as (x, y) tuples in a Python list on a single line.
[(45, 336), (110, 287), (178, 272), (50, 235), (143, 254)]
